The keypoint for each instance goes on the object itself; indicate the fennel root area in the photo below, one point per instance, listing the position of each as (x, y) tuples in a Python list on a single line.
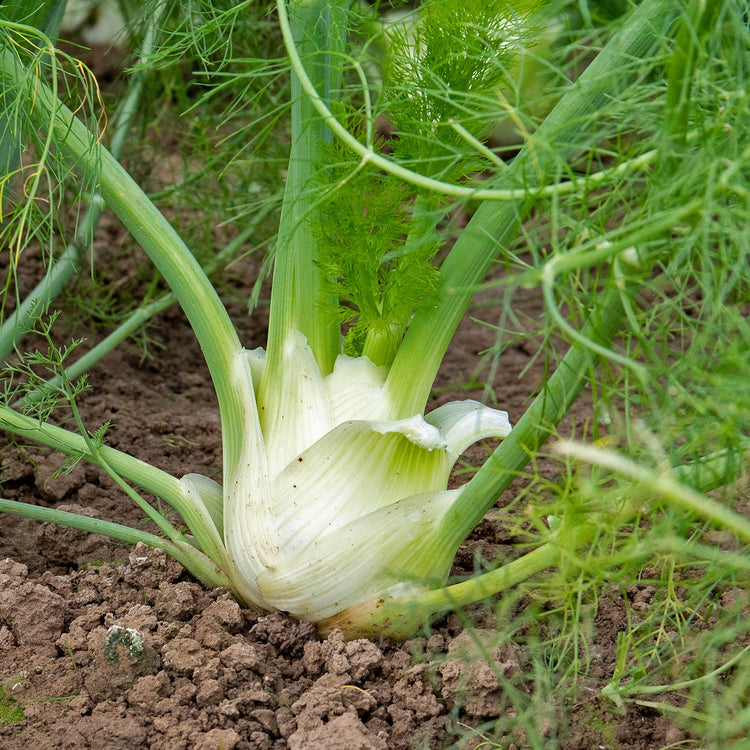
[(214, 675)]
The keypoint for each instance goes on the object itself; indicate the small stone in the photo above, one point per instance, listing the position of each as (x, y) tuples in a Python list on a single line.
[(469, 679), (80, 704), (120, 658), (165, 723), (364, 658), (175, 601), (147, 688), (285, 721), (20, 610), (208, 671), (13, 569), (184, 694), (229, 709), (260, 741)]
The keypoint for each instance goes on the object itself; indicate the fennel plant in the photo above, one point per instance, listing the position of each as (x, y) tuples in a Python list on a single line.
[(334, 504)]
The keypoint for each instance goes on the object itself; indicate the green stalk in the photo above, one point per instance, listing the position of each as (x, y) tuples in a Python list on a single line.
[(84, 363), (45, 15), (697, 18), (192, 559), (532, 430), (539, 420), (205, 312), (298, 300), (93, 449), (663, 484), (574, 534), (148, 477), (62, 269), (494, 226), (137, 319), (58, 275), (682, 487), (419, 180), (401, 617)]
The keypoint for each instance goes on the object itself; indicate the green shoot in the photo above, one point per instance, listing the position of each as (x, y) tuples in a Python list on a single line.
[(10, 710)]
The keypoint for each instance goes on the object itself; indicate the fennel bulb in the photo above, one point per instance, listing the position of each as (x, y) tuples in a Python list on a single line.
[(334, 507)]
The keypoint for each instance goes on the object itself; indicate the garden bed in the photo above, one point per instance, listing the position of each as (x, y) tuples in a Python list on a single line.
[(217, 676)]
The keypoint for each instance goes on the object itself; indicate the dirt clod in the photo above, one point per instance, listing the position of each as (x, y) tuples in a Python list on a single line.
[(345, 732)]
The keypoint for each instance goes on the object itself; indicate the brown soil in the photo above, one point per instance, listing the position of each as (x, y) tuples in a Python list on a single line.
[(200, 672)]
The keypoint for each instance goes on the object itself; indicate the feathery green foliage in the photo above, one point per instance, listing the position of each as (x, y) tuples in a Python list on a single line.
[(442, 67), (621, 202), (362, 234)]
